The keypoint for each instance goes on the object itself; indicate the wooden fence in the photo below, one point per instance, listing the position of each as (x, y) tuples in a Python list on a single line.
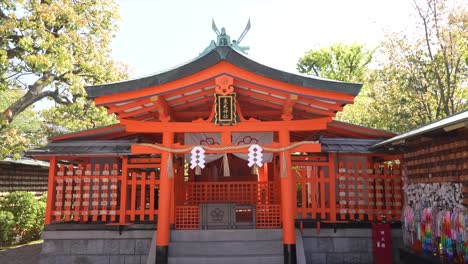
[(108, 193), (371, 193), (102, 194)]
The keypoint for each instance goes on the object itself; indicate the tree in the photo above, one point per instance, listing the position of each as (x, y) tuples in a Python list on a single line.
[(338, 62), (52, 49), (420, 77), (348, 63), (423, 77), (24, 132)]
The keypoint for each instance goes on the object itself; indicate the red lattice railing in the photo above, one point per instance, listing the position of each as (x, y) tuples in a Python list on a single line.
[(187, 217), (268, 216), (378, 193), (236, 192), (100, 193), (361, 194)]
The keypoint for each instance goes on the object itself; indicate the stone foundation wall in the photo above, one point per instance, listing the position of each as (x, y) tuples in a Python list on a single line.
[(95, 246), (344, 245)]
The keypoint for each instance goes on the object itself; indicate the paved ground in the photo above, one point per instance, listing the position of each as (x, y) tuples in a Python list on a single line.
[(28, 254)]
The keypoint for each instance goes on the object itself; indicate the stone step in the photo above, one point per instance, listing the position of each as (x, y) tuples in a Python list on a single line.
[(258, 259), (226, 248), (226, 235)]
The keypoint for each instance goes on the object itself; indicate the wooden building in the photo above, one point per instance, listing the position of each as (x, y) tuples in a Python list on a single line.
[(221, 142), (23, 175), (436, 189)]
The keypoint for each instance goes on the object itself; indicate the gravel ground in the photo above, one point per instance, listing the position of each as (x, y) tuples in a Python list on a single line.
[(27, 254)]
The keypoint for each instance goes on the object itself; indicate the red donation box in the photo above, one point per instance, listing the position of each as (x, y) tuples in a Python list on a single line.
[(382, 243)]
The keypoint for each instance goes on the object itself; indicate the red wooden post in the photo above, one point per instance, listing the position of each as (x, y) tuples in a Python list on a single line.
[(86, 194), (360, 187), (133, 182), (123, 191), (388, 192), (397, 195), (314, 191), (143, 196), (113, 186), (59, 196), (322, 193), (104, 193), (370, 192), (51, 194), (68, 191), (288, 194), (95, 195), (378, 191), (152, 195), (162, 241), (351, 190), (342, 190), (332, 176), (77, 193)]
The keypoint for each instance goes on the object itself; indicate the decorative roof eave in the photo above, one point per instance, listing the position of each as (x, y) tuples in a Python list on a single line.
[(84, 148), (104, 130), (26, 162), (447, 124), (218, 54), (348, 145), (361, 130)]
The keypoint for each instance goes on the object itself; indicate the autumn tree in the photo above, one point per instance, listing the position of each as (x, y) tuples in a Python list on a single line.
[(424, 75), (52, 49), (420, 75)]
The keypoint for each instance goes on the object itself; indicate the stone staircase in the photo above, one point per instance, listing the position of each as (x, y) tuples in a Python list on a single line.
[(226, 246)]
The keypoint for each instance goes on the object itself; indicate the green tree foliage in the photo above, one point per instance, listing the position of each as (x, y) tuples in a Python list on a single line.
[(24, 132), (21, 218), (424, 75), (338, 62), (348, 63), (52, 49), (419, 77)]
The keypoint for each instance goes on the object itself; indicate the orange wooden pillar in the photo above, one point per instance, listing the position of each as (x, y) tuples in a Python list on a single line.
[(288, 206), (164, 211), (123, 192), (51, 190)]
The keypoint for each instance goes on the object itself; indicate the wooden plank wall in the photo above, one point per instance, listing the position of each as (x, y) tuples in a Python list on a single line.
[(440, 160), (15, 177)]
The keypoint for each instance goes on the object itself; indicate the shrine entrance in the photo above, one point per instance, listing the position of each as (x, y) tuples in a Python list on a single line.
[(246, 198)]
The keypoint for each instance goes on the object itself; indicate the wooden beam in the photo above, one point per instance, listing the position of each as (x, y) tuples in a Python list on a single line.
[(163, 108), (115, 109), (288, 107), (293, 125), (198, 102), (146, 149), (142, 110)]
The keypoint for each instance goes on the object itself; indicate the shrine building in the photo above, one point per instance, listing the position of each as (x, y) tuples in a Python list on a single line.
[(226, 151)]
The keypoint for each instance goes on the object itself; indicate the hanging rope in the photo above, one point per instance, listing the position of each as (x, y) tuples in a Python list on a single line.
[(284, 170), (225, 148), (170, 170), (226, 171)]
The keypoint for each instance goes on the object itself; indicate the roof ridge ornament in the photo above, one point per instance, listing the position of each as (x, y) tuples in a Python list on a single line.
[(225, 40)]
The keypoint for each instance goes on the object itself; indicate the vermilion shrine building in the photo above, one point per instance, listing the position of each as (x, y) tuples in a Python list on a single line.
[(303, 167)]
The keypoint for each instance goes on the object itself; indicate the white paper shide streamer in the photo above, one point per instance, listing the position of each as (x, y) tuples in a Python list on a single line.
[(197, 160), (255, 156)]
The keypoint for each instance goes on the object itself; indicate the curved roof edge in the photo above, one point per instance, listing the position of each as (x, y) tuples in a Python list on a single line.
[(436, 125), (218, 54)]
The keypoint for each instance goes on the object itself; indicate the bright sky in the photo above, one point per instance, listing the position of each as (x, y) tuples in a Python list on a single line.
[(159, 34)]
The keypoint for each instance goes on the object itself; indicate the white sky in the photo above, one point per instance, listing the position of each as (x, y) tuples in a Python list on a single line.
[(159, 34)]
